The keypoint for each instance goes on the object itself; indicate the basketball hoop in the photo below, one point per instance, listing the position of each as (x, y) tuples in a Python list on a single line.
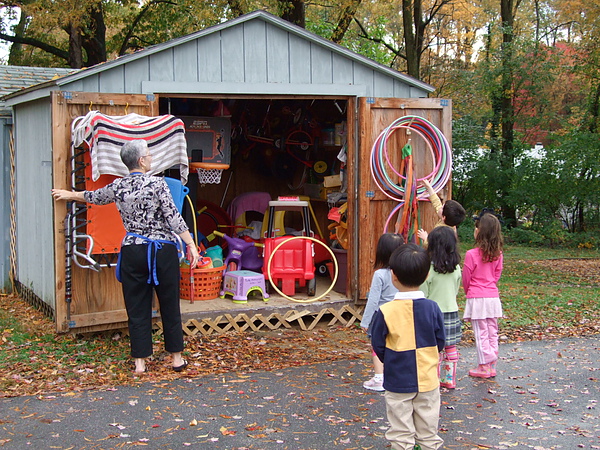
[(209, 173)]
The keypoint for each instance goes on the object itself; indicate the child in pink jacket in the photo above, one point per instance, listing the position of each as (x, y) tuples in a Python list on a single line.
[(481, 272)]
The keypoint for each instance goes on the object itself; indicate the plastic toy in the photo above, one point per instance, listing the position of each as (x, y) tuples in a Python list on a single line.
[(240, 283), (293, 261), (242, 254)]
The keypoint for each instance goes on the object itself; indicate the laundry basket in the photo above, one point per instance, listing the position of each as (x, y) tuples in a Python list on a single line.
[(201, 284)]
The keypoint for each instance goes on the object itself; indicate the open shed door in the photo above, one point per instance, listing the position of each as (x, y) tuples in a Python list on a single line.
[(373, 206), (96, 300)]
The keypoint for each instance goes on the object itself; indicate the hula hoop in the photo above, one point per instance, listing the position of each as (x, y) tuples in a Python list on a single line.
[(437, 144), (389, 219), (335, 264)]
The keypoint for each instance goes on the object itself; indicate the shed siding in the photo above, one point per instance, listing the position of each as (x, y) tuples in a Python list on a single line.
[(5, 124), (299, 60), (384, 86), (278, 55), (113, 80), (254, 52), (33, 160), (90, 84), (343, 70), (161, 66), (321, 65), (135, 73), (209, 59), (185, 62), (232, 58), (401, 90), (364, 76)]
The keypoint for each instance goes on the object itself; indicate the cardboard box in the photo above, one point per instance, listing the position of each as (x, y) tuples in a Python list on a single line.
[(332, 181)]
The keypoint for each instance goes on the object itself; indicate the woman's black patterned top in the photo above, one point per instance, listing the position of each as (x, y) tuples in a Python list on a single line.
[(145, 204)]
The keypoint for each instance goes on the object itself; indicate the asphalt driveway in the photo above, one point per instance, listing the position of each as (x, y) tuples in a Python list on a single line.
[(545, 397)]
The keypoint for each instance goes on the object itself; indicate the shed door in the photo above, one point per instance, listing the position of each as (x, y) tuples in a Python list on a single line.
[(373, 206), (96, 301)]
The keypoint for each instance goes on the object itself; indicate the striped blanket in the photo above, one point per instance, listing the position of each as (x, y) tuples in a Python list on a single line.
[(105, 135)]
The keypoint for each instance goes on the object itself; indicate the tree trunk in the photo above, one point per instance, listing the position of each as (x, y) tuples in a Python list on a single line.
[(345, 20), (507, 108), (94, 40), (293, 11), (75, 47), (410, 40), (15, 55)]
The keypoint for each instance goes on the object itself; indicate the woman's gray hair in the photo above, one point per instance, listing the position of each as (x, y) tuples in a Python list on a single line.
[(132, 151)]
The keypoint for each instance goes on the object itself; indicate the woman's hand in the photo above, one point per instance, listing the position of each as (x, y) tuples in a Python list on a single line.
[(63, 194), (193, 255)]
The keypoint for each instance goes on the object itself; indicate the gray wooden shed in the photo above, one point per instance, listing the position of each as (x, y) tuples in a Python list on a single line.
[(13, 79), (255, 58)]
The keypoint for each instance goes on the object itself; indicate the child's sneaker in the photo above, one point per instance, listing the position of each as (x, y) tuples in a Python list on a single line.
[(374, 384)]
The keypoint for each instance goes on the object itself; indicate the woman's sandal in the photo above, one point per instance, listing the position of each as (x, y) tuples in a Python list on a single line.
[(181, 367)]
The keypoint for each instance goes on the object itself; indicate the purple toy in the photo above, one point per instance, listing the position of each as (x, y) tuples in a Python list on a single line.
[(243, 255)]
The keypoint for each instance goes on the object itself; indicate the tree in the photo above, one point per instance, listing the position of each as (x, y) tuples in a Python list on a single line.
[(407, 40), (76, 33), (82, 21)]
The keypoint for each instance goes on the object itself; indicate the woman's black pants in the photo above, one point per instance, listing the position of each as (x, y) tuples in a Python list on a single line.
[(138, 297)]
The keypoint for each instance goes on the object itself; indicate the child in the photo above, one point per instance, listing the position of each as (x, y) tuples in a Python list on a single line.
[(382, 291), (408, 334), (481, 272), (442, 286), (451, 214)]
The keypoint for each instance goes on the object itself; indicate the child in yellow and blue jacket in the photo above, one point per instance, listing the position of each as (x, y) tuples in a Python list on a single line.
[(407, 336)]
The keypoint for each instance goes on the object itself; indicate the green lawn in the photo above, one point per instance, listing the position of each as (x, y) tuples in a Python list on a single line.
[(549, 291)]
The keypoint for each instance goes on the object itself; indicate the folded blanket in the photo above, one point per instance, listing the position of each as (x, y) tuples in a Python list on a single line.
[(105, 135)]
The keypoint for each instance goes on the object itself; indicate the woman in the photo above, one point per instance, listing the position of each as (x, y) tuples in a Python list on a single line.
[(148, 259)]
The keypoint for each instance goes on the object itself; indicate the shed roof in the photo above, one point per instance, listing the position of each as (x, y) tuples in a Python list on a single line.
[(17, 78), (253, 16)]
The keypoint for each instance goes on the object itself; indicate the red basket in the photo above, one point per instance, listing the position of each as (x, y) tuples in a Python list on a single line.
[(205, 284)]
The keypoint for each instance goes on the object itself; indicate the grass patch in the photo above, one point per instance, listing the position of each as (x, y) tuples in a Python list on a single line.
[(548, 291)]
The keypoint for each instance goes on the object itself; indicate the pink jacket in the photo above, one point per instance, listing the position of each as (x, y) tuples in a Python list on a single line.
[(480, 279)]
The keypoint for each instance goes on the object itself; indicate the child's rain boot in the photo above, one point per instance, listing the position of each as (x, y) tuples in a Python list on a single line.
[(447, 367), (448, 374), (493, 368), (482, 371)]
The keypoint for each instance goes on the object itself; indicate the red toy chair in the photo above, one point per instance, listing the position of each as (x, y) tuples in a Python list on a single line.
[(293, 261)]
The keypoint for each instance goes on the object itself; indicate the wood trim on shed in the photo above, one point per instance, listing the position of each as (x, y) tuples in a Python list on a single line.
[(64, 105)]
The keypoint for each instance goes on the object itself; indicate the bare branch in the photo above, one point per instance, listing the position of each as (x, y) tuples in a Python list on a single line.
[(365, 35), (36, 43), (136, 21)]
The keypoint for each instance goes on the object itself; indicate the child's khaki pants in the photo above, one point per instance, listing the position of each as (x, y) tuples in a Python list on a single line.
[(413, 420)]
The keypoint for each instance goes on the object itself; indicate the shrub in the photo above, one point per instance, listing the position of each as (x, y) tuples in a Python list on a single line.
[(465, 231), (587, 240), (524, 236)]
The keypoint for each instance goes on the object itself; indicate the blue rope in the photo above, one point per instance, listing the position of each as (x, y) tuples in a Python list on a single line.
[(154, 245)]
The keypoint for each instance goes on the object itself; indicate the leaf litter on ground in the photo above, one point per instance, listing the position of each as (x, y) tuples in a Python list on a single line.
[(36, 360)]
